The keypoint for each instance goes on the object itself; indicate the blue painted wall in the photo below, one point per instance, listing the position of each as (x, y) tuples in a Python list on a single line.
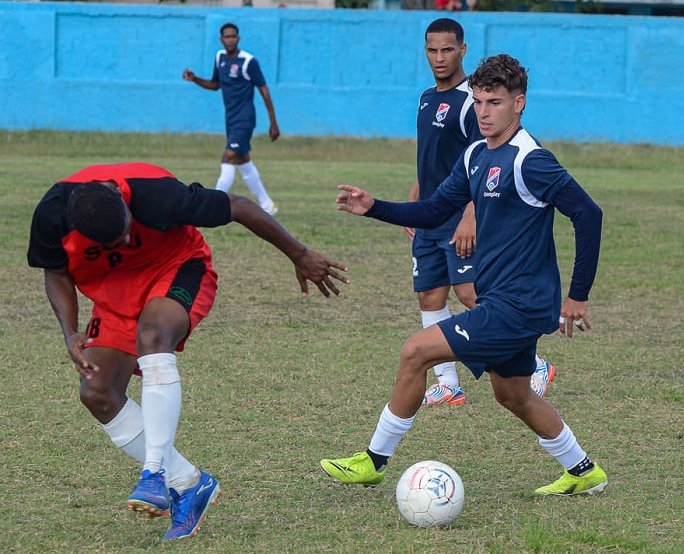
[(118, 68)]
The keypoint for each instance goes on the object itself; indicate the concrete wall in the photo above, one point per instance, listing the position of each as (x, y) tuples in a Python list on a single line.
[(118, 68)]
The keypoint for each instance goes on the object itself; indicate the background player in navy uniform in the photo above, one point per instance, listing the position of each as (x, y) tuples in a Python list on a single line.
[(237, 73), (446, 257), (516, 186), (125, 235)]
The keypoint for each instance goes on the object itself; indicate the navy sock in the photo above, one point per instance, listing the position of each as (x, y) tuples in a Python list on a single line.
[(379, 461)]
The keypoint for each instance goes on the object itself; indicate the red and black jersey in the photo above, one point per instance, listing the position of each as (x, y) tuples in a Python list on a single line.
[(163, 235)]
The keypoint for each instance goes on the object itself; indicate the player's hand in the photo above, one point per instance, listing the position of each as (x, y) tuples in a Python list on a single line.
[(75, 343), (354, 200), (188, 75), (410, 232), (573, 314), (318, 268), (274, 131), (465, 235)]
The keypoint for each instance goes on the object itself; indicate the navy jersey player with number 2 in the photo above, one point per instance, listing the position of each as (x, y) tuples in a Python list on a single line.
[(445, 257), (516, 186)]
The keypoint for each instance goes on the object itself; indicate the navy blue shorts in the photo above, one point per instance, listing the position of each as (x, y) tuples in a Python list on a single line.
[(237, 140), (486, 339), (435, 264)]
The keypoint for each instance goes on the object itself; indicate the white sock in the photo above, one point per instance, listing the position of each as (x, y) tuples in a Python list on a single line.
[(253, 181), (126, 432), (185, 480), (446, 372), (540, 361), (389, 431), (226, 177), (564, 448), (161, 404)]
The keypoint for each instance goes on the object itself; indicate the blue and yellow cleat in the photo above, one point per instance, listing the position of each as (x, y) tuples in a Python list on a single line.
[(189, 507), (150, 496)]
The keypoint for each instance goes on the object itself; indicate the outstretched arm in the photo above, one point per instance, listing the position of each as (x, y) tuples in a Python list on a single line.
[(189, 75), (453, 193), (424, 214), (573, 202), (309, 264), (61, 292), (273, 130), (354, 200)]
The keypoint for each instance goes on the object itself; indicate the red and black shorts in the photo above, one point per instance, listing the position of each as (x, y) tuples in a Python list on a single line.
[(193, 285)]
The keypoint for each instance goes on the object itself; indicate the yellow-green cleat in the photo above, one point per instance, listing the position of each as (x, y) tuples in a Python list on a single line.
[(357, 470), (591, 483)]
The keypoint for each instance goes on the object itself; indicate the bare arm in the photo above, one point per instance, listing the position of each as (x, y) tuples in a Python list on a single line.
[(61, 292), (274, 130), (189, 75), (309, 264)]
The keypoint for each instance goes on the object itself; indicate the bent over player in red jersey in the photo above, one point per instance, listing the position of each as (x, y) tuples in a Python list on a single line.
[(126, 236)]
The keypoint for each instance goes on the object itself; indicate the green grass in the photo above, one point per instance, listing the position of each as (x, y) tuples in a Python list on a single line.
[(272, 382)]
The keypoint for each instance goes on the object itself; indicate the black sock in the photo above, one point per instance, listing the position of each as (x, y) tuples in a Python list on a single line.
[(379, 461), (585, 466)]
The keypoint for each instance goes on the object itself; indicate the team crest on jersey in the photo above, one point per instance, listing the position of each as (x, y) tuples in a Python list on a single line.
[(493, 178), (442, 112), (234, 70)]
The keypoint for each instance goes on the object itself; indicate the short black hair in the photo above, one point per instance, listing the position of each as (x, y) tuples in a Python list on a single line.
[(97, 212), (500, 70), (229, 26), (445, 25)]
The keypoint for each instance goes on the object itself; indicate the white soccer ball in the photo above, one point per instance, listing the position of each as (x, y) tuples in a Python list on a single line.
[(430, 494)]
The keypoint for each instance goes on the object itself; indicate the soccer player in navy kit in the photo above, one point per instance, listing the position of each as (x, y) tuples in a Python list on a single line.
[(516, 185), (446, 125), (237, 74)]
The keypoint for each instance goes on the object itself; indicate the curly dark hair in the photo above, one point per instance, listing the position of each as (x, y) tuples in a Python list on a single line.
[(500, 70), (97, 212)]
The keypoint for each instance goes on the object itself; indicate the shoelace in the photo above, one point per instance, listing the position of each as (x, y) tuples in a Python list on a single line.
[(150, 482), (175, 506)]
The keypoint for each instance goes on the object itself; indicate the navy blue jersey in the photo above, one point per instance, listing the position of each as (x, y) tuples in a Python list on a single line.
[(513, 187), (237, 77), (446, 125)]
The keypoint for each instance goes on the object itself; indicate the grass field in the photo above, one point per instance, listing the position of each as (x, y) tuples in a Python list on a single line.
[(273, 382)]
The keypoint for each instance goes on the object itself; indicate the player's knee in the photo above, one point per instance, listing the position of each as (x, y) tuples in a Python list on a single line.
[(432, 300), (467, 297), (512, 400), (152, 337), (465, 292), (413, 354), (235, 158), (99, 400)]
